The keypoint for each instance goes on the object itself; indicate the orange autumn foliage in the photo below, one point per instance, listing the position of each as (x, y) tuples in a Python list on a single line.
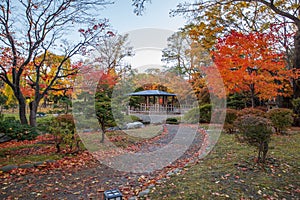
[(252, 63)]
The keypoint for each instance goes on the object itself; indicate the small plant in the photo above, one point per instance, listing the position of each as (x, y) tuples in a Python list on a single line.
[(255, 131), (281, 119), (63, 129)]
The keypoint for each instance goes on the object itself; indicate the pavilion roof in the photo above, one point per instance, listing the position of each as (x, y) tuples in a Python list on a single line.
[(151, 93)]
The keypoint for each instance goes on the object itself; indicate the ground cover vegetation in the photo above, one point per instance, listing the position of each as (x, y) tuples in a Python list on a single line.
[(47, 99)]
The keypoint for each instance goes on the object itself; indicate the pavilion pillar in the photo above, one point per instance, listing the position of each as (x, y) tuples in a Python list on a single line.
[(172, 103), (147, 103)]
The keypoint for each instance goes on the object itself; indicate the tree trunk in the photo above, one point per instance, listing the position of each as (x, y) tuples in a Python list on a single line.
[(265, 151), (297, 62), (22, 110), (103, 134), (33, 110), (102, 124), (259, 153)]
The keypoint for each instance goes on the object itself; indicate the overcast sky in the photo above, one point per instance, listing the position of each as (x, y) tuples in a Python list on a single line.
[(148, 33)]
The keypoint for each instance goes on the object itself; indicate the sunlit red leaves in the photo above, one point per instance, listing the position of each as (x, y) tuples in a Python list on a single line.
[(90, 78), (96, 28), (246, 60)]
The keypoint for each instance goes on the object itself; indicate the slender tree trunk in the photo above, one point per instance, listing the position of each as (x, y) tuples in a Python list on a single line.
[(297, 62), (252, 95), (265, 151), (103, 133), (259, 153)]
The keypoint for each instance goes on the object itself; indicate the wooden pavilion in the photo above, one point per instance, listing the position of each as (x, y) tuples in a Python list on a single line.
[(155, 101)]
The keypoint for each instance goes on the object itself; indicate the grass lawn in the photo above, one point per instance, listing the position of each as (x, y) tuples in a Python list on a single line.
[(229, 172)]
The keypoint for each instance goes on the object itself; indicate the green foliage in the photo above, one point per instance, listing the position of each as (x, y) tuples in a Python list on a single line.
[(255, 131), (63, 129), (205, 113), (135, 118), (15, 130), (201, 114), (103, 107), (66, 103), (3, 100), (236, 101), (43, 124), (281, 119)]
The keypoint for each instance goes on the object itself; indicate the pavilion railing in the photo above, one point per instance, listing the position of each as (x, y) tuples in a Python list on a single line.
[(157, 108)]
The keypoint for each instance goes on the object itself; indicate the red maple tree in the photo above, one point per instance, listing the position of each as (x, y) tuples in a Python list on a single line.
[(252, 64)]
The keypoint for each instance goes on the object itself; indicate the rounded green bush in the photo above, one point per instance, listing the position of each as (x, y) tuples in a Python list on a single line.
[(281, 119), (172, 120), (255, 131)]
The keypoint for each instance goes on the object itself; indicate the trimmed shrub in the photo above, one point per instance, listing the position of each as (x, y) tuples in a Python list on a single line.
[(255, 131), (172, 120), (251, 111), (281, 119)]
